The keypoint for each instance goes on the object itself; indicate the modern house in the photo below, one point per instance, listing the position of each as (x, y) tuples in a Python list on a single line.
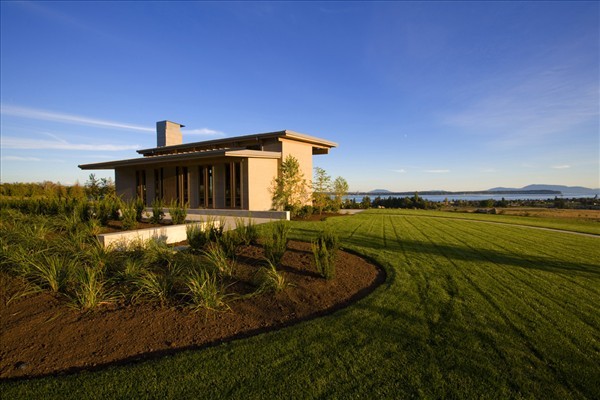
[(228, 173)]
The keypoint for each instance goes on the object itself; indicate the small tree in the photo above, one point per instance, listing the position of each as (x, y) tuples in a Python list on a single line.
[(321, 187), (290, 189), (340, 190)]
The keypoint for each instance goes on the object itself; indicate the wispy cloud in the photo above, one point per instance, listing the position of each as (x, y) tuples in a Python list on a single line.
[(561, 166), (203, 131), (400, 171), (9, 142), (537, 104), (17, 158), (437, 171), (45, 115)]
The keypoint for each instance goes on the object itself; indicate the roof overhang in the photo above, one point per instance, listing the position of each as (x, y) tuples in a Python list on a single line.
[(158, 160), (320, 146)]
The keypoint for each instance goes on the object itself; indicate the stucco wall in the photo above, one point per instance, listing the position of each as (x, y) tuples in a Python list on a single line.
[(261, 172), (302, 152)]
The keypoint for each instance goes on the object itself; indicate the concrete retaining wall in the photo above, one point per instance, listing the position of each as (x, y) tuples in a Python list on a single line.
[(169, 234), (230, 213)]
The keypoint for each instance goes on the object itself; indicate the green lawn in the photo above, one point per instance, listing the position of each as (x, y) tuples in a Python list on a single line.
[(469, 310)]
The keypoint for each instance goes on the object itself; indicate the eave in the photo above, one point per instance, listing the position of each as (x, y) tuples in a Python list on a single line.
[(164, 159)]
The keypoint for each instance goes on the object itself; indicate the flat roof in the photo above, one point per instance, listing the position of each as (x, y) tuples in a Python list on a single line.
[(233, 142)]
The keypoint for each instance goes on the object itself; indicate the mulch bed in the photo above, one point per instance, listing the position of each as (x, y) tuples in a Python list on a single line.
[(41, 335)]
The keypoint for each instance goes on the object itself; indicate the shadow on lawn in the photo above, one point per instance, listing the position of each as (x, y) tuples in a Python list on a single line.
[(469, 254)]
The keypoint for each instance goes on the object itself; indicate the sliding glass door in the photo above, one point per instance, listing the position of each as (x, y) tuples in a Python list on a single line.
[(206, 186)]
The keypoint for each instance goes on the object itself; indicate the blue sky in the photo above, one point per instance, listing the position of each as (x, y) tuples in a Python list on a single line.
[(419, 95)]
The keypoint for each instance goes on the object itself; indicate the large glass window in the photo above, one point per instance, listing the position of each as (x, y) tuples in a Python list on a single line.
[(140, 184), (158, 184), (233, 185), (205, 186), (182, 185)]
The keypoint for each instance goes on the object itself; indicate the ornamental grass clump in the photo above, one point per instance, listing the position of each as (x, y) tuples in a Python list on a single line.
[(90, 289), (216, 259), (246, 231), (52, 271), (205, 291), (158, 286), (324, 249), (198, 236), (229, 243), (269, 279), (275, 242)]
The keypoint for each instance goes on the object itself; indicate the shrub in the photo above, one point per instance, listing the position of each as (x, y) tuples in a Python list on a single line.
[(268, 279), (138, 205), (305, 212), (178, 212), (216, 228), (157, 211), (82, 209), (324, 249), (276, 241), (129, 215), (106, 209)]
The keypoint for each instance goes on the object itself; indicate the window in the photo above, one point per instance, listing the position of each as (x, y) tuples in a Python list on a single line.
[(233, 185), (205, 186), (158, 184), (140, 185), (182, 185)]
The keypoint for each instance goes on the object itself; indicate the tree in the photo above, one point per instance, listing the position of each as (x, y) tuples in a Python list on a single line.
[(340, 190), (290, 189), (321, 187), (366, 202)]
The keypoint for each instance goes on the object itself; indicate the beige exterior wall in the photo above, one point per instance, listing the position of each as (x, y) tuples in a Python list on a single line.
[(261, 172), (302, 152)]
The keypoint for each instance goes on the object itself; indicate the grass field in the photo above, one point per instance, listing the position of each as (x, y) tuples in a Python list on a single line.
[(469, 310)]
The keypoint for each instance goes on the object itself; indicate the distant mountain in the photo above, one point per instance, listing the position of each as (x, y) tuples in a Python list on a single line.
[(380, 191), (569, 190)]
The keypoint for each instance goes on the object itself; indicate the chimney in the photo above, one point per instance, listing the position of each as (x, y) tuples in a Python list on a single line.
[(168, 133)]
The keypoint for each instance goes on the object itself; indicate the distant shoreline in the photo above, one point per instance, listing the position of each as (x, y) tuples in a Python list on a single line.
[(461, 193)]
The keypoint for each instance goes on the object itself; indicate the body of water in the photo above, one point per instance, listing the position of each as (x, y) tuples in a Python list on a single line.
[(474, 197)]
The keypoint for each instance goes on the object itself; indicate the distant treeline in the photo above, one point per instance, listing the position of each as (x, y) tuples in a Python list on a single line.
[(93, 188), (418, 202)]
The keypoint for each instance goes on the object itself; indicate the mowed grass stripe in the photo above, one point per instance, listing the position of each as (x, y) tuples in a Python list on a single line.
[(467, 330), (524, 280), (530, 314), (548, 255)]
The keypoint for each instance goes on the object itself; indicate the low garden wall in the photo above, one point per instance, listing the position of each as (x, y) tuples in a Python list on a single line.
[(168, 234)]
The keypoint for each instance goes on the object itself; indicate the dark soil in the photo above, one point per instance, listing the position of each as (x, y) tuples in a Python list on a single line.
[(41, 335)]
